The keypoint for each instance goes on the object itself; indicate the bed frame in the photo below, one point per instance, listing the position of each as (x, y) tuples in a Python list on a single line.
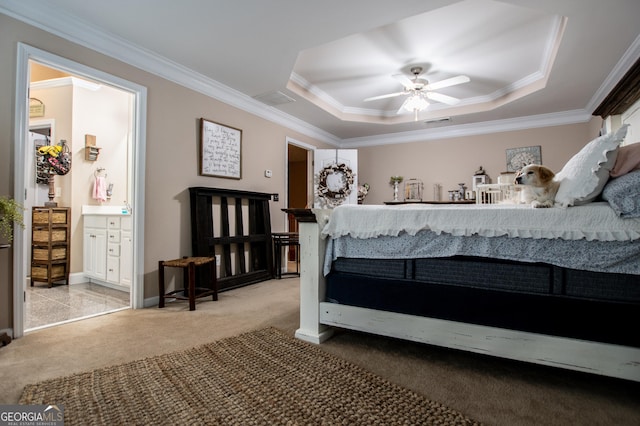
[(317, 317)]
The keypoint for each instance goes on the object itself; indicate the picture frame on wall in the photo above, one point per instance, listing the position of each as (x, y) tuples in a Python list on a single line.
[(220, 150), (517, 158)]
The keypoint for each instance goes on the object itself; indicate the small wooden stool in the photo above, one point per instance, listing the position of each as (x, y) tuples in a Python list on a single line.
[(189, 265), (280, 241)]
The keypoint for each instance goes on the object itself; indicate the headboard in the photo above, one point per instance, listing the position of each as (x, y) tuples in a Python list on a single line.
[(219, 218)]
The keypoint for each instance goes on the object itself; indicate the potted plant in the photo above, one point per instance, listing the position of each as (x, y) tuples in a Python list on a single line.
[(10, 213)]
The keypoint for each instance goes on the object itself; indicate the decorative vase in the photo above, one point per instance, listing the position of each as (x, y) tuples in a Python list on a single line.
[(395, 191)]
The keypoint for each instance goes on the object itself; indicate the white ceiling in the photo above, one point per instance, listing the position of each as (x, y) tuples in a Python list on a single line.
[(531, 63)]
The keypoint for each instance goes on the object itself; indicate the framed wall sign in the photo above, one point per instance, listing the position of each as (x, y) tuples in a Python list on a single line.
[(517, 158), (220, 150)]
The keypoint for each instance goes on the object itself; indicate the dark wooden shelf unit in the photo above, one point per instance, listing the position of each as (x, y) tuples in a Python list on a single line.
[(246, 256)]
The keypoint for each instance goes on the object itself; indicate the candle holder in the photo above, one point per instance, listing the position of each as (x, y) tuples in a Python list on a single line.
[(395, 181)]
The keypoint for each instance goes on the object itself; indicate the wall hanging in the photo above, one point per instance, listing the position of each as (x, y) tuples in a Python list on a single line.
[(220, 150)]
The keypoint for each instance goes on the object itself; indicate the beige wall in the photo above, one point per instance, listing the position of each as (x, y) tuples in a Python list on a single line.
[(171, 154), (77, 111), (453, 161)]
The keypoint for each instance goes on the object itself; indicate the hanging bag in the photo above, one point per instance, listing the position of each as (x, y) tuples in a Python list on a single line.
[(59, 165)]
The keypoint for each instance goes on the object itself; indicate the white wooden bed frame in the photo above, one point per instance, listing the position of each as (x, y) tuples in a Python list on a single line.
[(317, 318)]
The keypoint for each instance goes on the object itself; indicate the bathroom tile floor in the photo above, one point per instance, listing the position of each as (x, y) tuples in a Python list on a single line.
[(46, 306)]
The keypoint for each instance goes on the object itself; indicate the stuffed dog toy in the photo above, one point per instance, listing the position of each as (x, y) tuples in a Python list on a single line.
[(538, 186)]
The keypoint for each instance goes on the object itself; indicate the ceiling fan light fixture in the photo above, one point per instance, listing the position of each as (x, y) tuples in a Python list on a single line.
[(415, 103)]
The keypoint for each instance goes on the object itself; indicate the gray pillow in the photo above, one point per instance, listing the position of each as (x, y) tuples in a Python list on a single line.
[(623, 194)]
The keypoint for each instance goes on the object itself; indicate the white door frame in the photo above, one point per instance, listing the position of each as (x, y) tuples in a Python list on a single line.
[(21, 126)]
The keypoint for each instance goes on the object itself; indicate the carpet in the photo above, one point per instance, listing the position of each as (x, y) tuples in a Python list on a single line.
[(263, 377)]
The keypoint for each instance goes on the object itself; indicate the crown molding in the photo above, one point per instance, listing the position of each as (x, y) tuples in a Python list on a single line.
[(53, 21), (621, 78), (462, 130), (64, 81)]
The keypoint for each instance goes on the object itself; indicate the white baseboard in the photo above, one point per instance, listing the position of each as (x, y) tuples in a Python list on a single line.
[(150, 302), (77, 278)]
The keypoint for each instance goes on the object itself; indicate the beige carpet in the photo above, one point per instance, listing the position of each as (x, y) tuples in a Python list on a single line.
[(491, 390), (263, 377)]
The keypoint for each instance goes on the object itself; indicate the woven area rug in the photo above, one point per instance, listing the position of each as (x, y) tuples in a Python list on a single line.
[(263, 377)]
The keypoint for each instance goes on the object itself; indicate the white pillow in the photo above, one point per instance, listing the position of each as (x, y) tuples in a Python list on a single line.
[(586, 173)]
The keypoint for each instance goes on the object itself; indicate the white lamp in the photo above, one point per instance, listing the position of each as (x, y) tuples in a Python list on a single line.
[(415, 104)]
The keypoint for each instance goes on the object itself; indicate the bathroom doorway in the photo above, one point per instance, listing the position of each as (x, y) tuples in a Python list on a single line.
[(79, 297), (299, 160)]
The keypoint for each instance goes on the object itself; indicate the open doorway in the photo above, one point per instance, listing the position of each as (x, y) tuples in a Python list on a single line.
[(299, 157), (67, 86), (78, 106)]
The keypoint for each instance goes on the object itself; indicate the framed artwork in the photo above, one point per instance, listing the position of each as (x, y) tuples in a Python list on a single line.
[(517, 158), (220, 150)]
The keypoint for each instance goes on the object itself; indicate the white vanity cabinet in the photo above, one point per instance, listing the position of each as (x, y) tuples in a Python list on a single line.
[(108, 249), (113, 249), (95, 247)]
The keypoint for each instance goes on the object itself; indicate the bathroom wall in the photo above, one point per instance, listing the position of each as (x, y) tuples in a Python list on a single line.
[(79, 108)]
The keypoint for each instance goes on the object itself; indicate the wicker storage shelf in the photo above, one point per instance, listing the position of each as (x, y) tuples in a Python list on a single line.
[(50, 244)]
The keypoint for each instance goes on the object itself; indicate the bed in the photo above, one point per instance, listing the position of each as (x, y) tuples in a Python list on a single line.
[(558, 286)]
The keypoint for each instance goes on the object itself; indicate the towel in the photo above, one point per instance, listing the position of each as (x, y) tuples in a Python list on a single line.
[(100, 189)]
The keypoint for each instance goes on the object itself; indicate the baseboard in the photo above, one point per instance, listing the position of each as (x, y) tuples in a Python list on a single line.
[(77, 278), (109, 285), (9, 331), (151, 302)]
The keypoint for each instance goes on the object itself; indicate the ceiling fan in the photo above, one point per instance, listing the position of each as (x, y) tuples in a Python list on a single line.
[(420, 91)]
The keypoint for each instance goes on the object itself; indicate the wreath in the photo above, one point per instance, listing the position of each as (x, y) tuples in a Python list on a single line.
[(347, 179)]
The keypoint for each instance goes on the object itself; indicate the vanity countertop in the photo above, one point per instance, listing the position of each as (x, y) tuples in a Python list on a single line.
[(106, 210)]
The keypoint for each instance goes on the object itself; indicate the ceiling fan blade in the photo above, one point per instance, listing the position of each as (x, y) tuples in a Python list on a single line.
[(445, 99), (404, 80), (448, 82), (390, 95)]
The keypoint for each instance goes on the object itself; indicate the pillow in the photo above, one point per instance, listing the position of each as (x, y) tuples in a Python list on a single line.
[(628, 160), (586, 173), (623, 194)]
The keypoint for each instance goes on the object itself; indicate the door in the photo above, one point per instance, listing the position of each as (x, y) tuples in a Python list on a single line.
[(39, 134), (137, 109), (126, 258)]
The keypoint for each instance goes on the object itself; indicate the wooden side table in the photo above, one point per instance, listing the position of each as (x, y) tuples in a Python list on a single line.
[(280, 241), (190, 292)]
